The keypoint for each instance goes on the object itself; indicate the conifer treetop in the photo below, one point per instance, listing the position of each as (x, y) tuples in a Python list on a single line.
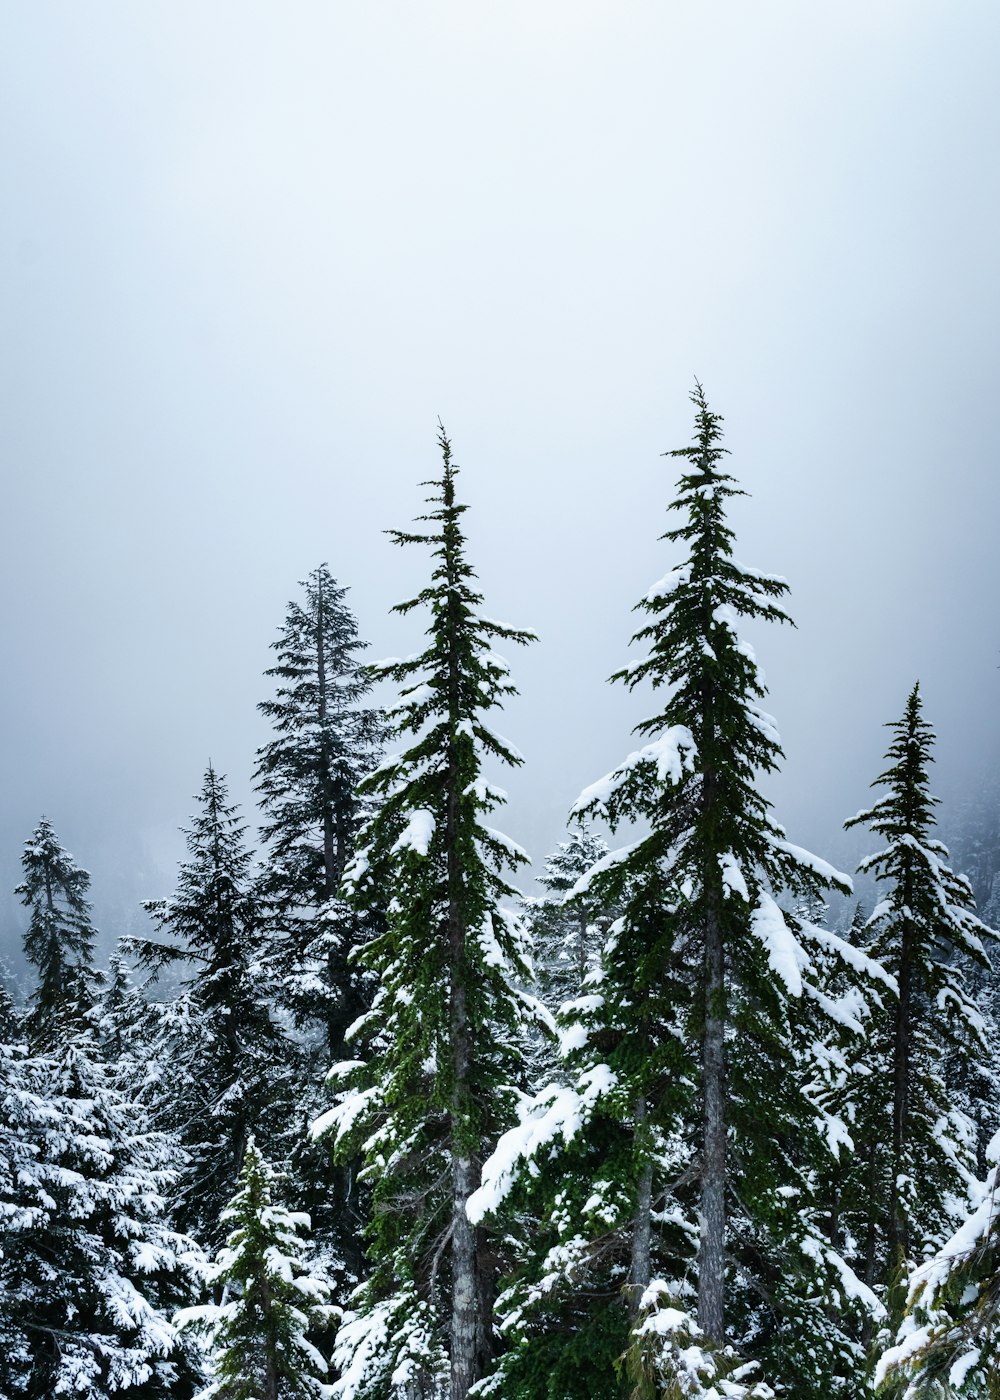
[(921, 891), (212, 909), (59, 940), (711, 739), (326, 739), (444, 691)]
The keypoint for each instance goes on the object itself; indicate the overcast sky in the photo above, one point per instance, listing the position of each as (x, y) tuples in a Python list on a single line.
[(250, 251)]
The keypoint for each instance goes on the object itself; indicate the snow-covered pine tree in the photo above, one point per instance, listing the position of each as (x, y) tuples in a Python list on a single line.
[(442, 1038), (327, 738), (59, 941), (921, 1147), (10, 1020), (227, 1060), (565, 929), (21, 1125), (125, 1019), (272, 1294), (89, 1275), (690, 1058), (948, 1343)]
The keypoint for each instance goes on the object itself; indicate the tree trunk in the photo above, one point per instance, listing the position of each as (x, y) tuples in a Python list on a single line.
[(330, 872), (468, 1324), (642, 1229), (871, 1236), (465, 1290), (712, 1245), (269, 1388), (898, 1224)]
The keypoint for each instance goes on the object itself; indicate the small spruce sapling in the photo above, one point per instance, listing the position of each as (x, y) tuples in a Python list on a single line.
[(258, 1338)]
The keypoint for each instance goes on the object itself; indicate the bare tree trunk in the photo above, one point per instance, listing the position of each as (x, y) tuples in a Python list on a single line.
[(712, 1245)]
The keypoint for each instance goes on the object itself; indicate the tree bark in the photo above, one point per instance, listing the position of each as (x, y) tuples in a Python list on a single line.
[(468, 1325), (330, 873), (642, 1229), (898, 1223), (465, 1322), (712, 1244)]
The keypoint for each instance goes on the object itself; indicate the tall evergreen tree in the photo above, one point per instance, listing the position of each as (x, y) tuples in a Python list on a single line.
[(327, 738), (273, 1296), (691, 1059), (227, 1058), (59, 941), (442, 1038), (926, 932)]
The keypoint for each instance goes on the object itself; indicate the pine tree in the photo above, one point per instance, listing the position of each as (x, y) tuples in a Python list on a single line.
[(59, 941), (273, 1296), (442, 1036), (225, 1056), (326, 740), (21, 1125), (89, 1273), (327, 737), (129, 1031), (690, 1061), (926, 932), (565, 927)]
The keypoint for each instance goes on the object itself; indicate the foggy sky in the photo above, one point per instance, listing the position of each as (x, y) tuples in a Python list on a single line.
[(250, 251)]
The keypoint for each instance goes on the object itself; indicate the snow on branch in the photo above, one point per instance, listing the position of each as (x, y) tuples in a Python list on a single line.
[(417, 833), (557, 1113), (785, 954), (672, 755), (817, 866)]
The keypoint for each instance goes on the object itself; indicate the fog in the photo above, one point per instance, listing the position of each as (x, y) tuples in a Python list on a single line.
[(250, 252)]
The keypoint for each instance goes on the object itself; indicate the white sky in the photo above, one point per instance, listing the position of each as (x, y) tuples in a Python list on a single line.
[(249, 252)]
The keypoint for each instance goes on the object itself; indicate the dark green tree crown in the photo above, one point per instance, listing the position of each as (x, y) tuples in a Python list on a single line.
[(59, 941)]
